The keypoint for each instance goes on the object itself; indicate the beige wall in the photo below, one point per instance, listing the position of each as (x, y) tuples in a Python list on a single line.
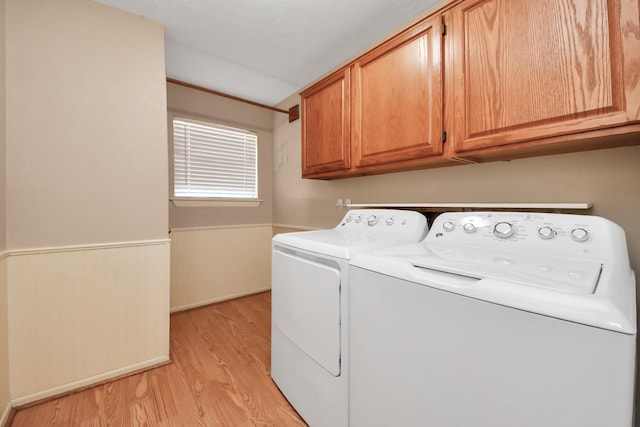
[(3, 131), (86, 125), (197, 104), (609, 179), (86, 174)]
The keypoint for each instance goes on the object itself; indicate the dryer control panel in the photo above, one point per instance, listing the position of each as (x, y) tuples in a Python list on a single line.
[(396, 224), (578, 236)]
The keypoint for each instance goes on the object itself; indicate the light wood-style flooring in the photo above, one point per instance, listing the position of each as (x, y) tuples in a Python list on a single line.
[(220, 376)]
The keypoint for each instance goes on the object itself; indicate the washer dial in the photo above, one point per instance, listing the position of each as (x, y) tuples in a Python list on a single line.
[(579, 234), (504, 230), (546, 233)]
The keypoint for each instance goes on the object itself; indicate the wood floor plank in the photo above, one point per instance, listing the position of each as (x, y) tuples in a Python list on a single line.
[(220, 376)]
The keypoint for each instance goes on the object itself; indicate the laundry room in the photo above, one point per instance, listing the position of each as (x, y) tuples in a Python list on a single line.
[(104, 264)]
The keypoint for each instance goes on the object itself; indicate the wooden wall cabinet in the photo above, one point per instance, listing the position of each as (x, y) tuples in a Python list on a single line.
[(326, 126), (507, 79), (390, 119), (397, 98), (526, 71)]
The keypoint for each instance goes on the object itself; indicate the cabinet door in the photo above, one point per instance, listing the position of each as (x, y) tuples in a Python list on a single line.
[(527, 70), (326, 125), (397, 98)]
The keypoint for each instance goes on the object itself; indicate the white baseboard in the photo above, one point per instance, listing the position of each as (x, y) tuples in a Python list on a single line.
[(86, 382), (5, 414), (219, 299)]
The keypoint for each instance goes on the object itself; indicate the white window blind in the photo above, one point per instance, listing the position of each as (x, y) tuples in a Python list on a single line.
[(214, 161)]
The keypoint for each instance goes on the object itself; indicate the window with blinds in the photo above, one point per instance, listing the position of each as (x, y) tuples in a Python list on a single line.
[(214, 161)]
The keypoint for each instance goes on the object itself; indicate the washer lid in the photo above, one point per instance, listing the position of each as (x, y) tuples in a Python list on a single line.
[(580, 291), (567, 275)]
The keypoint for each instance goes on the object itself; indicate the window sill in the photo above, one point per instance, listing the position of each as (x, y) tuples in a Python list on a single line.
[(214, 203)]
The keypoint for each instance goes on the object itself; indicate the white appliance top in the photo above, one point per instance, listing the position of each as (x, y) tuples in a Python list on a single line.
[(360, 230), (573, 267)]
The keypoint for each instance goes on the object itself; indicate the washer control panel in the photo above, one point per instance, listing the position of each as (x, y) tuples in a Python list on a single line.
[(544, 233)]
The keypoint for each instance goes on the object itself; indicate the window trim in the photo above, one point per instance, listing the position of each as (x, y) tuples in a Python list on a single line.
[(211, 202)]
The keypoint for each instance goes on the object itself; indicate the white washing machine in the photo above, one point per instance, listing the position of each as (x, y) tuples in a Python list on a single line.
[(309, 342), (496, 320)]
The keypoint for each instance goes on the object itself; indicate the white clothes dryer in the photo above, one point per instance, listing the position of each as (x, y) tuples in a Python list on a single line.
[(496, 320), (309, 334)]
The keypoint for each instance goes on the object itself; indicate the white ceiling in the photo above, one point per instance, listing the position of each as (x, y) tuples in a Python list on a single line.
[(266, 50)]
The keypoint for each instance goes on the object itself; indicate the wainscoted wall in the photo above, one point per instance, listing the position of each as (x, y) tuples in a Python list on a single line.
[(79, 315), (219, 253), (210, 264), (5, 398), (92, 171)]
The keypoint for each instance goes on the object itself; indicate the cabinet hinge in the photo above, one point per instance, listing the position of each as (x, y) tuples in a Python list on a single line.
[(444, 137)]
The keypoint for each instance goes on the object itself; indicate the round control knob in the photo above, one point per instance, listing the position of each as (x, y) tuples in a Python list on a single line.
[(448, 226), (349, 218), (372, 220), (546, 233), (389, 221), (504, 230), (469, 227), (359, 219), (579, 234)]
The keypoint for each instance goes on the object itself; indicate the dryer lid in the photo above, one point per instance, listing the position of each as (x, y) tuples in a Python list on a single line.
[(333, 243)]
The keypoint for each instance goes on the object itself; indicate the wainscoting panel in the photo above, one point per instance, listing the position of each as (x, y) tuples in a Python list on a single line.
[(5, 398), (213, 264), (282, 228), (84, 314)]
